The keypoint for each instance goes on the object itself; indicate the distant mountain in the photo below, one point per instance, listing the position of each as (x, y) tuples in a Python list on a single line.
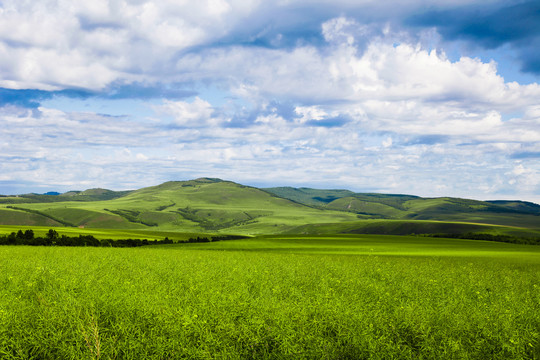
[(215, 205), (53, 196)]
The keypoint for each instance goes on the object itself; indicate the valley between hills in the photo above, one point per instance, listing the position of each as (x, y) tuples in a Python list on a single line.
[(209, 205)]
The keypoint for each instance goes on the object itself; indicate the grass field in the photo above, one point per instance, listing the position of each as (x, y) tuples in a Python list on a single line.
[(274, 297)]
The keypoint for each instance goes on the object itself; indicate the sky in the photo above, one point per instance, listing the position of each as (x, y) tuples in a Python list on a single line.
[(429, 98)]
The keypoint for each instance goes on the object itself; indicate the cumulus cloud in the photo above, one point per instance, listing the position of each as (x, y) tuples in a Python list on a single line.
[(62, 44), (387, 87), (198, 113), (384, 71), (527, 179), (125, 153), (76, 44)]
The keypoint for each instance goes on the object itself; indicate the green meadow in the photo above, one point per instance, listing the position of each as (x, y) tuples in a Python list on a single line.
[(273, 297)]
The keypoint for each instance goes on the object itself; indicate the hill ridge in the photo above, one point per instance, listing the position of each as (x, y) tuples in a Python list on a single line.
[(212, 204)]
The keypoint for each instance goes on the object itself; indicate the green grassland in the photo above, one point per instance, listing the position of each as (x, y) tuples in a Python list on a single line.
[(414, 227), (273, 297)]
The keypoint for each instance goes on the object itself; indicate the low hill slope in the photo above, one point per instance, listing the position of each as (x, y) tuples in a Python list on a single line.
[(454, 209), (407, 207), (214, 205), (519, 206), (18, 217), (368, 209), (309, 196), (93, 195), (197, 205)]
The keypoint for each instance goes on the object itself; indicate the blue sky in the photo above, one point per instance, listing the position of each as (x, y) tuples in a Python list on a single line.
[(431, 98)]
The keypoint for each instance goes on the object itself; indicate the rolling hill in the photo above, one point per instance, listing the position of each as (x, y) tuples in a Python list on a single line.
[(197, 205), (214, 205), (408, 207)]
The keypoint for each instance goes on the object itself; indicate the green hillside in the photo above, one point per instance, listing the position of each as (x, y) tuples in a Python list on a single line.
[(17, 217), (520, 206), (309, 196), (209, 205), (407, 207), (369, 209), (199, 205), (324, 197), (93, 195)]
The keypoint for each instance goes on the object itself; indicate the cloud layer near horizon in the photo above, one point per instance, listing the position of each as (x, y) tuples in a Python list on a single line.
[(372, 97)]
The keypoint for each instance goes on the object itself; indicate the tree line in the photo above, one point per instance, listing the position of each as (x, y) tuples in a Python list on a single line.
[(490, 237), (52, 238), (199, 239)]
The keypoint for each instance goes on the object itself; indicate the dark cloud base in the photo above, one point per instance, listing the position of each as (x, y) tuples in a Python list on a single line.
[(491, 26), (32, 98)]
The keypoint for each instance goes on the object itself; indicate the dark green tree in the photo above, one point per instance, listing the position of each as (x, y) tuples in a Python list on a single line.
[(12, 238), (52, 234), (29, 235)]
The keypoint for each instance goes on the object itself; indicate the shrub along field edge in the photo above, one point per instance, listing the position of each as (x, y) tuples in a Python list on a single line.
[(52, 238)]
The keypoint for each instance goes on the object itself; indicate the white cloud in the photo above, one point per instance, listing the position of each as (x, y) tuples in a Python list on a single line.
[(196, 114), (85, 148), (384, 73), (272, 120), (524, 178), (50, 44), (387, 143), (341, 30), (308, 113), (417, 121)]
